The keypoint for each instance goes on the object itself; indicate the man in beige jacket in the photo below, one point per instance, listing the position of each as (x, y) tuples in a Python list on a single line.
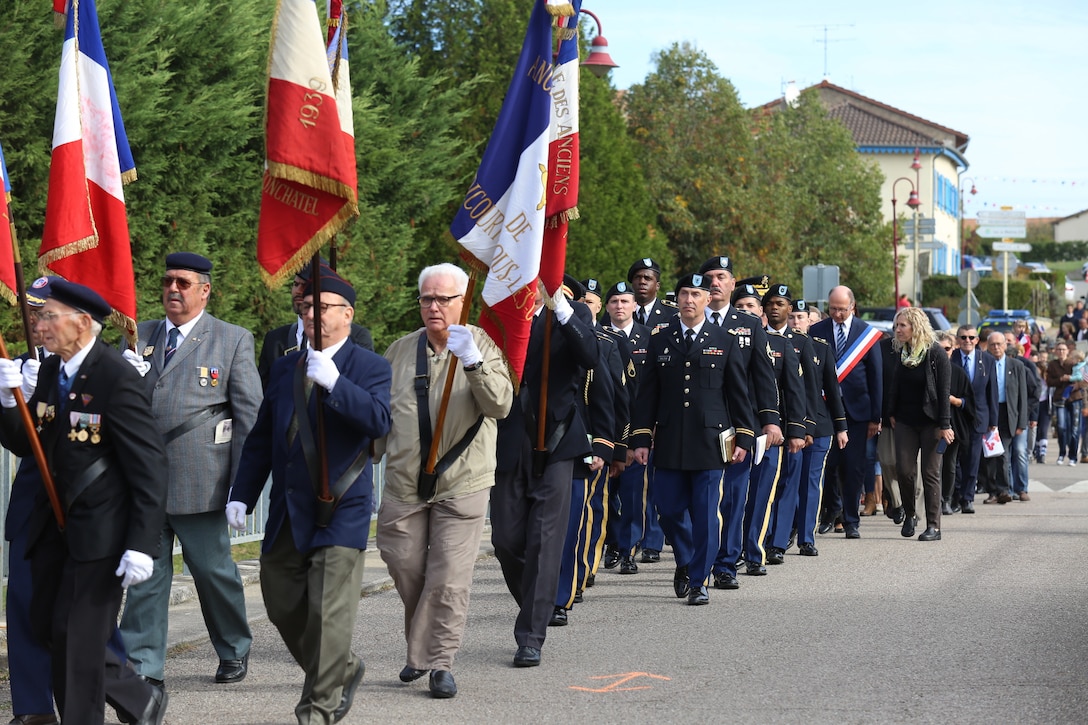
[(429, 528)]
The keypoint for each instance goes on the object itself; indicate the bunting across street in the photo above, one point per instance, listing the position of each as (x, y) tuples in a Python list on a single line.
[(86, 238), (309, 190), (500, 224)]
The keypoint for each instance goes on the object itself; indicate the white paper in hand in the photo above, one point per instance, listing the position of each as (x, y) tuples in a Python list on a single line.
[(761, 448)]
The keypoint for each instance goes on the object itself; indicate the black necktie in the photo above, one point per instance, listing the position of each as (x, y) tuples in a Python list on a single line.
[(640, 316), (689, 338), (716, 318), (171, 344)]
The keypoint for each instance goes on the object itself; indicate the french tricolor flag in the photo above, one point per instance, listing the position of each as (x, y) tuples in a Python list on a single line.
[(500, 224), (86, 237), (562, 203), (7, 239), (309, 189)]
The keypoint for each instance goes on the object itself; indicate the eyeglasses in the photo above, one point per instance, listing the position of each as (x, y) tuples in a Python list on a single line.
[(182, 283), (426, 301), (305, 307), (49, 317), (968, 337), (838, 309)]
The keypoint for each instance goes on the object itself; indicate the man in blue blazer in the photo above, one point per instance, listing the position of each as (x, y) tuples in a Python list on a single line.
[(312, 557), (981, 367), (861, 379)]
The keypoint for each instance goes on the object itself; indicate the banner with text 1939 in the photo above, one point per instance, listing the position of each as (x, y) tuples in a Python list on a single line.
[(309, 188), (500, 224)]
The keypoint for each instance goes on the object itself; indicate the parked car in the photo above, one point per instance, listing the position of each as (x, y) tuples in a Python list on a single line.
[(882, 318), (1002, 320)]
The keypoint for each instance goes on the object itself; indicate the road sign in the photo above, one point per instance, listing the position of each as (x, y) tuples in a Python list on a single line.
[(968, 278), (818, 280), (926, 226), (1012, 247), (1002, 217), (969, 317), (1000, 260), (1007, 231)]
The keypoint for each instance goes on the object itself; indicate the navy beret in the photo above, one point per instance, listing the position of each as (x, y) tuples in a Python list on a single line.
[(746, 290), (778, 290), (725, 263), (38, 292), (190, 261), (799, 306), (81, 298), (592, 285), (304, 273), (694, 281), (644, 263), (620, 288), (332, 282)]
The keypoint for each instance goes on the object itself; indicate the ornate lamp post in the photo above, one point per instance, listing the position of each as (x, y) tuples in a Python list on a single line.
[(598, 61), (913, 203), (916, 287)]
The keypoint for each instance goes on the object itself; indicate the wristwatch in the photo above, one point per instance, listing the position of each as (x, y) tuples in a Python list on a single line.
[(479, 364)]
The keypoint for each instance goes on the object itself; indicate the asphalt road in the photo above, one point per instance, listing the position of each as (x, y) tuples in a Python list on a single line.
[(989, 625)]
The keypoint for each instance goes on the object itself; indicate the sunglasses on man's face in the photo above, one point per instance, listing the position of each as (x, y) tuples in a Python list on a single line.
[(968, 337)]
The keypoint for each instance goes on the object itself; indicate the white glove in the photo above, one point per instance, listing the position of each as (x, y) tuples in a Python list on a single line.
[(10, 378), (30, 377), (236, 515), (461, 344), (563, 310), (135, 567), (141, 365), (321, 369)]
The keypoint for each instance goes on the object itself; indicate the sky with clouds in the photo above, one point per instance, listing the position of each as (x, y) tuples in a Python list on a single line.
[(1011, 75)]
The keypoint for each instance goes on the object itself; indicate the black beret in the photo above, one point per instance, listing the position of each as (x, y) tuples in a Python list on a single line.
[(38, 292), (695, 281), (746, 290), (189, 261), (644, 263), (332, 282), (620, 288), (592, 285), (778, 290), (81, 298), (573, 288), (304, 273), (725, 263), (799, 306)]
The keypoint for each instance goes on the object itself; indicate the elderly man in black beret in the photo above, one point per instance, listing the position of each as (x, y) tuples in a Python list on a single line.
[(93, 415), (205, 392)]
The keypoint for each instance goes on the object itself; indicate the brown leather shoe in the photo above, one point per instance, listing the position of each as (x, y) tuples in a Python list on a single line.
[(870, 505), (42, 719), (1024, 496), (1004, 498), (991, 499)]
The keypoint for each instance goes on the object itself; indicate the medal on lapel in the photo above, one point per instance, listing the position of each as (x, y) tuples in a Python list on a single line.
[(202, 373), (215, 376), (95, 426)]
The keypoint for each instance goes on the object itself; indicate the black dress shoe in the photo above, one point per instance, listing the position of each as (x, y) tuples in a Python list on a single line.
[(751, 568), (898, 514), (968, 507), (611, 557), (47, 718), (808, 550), (852, 532), (825, 527), (442, 685), (153, 682), (156, 708), (559, 618), (410, 674), (930, 534), (651, 556), (724, 580), (527, 657), (946, 508), (908, 527), (680, 582), (793, 538), (955, 507), (698, 595), (776, 555), (628, 565), (347, 697), (591, 580), (232, 670), (578, 597)]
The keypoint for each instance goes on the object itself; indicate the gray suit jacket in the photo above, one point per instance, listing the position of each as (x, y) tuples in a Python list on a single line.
[(221, 355), (1016, 395)]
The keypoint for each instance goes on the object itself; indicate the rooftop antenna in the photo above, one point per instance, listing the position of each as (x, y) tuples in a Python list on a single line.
[(825, 41)]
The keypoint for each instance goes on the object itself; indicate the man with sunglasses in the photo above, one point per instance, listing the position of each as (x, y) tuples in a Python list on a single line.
[(981, 368), (288, 338), (205, 392)]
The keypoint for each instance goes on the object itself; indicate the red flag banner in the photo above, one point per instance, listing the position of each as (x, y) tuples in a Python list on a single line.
[(310, 185)]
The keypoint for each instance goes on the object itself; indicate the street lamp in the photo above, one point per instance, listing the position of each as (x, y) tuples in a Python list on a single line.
[(598, 61), (913, 203), (916, 287), (963, 236)]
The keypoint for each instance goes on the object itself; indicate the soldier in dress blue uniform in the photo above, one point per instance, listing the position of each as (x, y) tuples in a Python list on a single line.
[(767, 474), (763, 392), (694, 390), (645, 279)]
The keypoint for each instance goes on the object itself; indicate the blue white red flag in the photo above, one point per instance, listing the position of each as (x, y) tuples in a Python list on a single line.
[(500, 224), (86, 237), (856, 351), (562, 203), (309, 189), (7, 238)]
